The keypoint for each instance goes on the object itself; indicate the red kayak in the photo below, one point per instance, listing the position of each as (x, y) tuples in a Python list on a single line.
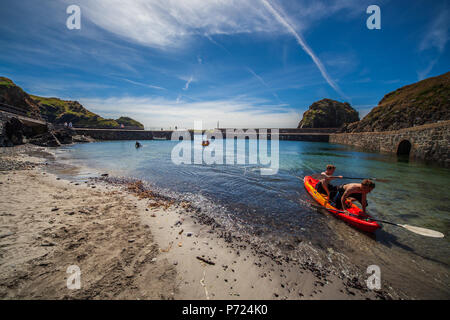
[(356, 218)]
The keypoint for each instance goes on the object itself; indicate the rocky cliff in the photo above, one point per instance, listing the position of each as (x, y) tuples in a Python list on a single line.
[(60, 111), (328, 113), (423, 102), (128, 122), (57, 111), (12, 95)]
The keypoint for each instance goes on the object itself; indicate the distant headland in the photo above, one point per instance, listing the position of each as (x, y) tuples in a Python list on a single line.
[(58, 111), (420, 103)]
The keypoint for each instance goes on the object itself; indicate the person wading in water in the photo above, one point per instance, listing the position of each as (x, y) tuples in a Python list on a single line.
[(353, 191)]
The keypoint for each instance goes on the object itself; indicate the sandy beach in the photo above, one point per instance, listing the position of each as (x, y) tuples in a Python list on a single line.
[(133, 244)]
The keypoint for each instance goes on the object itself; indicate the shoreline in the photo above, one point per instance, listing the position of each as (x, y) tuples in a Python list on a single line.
[(62, 222)]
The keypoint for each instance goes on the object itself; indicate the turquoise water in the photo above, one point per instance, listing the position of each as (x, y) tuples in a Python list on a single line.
[(416, 194)]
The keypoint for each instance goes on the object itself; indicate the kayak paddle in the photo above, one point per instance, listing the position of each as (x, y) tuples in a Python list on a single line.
[(422, 231), (376, 179), (320, 176)]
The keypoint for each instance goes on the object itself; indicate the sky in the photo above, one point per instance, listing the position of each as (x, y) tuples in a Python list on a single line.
[(244, 63)]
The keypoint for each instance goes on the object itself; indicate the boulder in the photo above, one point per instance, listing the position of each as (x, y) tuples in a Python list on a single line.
[(328, 113), (14, 131), (47, 139), (82, 139), (64, 136)]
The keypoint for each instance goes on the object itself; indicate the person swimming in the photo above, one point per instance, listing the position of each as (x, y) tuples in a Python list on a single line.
[(138, 145)]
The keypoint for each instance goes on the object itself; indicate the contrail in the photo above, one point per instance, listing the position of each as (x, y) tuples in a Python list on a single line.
[(248, 69), (143, 84), (264, 83), (305, 47)]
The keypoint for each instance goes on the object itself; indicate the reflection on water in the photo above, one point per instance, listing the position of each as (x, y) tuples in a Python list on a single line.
[(277, 204)]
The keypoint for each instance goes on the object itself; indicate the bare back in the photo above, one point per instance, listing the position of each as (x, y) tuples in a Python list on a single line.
[(353, 188)]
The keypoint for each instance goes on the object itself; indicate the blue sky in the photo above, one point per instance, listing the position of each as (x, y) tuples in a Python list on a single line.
[(246, 63)]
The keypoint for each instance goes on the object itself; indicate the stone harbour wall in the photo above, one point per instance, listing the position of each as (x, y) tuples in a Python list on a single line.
[(430, 142), (122, 134)]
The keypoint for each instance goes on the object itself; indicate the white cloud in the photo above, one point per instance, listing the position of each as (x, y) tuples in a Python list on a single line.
[(162, 23), (160, 112), (169, 23), (188, 82), (435, 39), (437, 35)]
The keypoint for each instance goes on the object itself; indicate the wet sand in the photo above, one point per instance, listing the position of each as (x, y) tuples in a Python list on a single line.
[(131, 243)]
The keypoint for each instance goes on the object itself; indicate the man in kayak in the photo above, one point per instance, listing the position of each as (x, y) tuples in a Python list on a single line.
[(324, 186), (353, 191)]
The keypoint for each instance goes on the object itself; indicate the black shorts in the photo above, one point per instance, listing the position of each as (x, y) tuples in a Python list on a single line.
[(320, 189), (336, 202), (340, 192)]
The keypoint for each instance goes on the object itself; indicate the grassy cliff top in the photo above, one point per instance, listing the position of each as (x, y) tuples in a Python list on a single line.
[(423, 102), (57, 110), (422, 91), (13, 95), (5, 82), (60, 111)]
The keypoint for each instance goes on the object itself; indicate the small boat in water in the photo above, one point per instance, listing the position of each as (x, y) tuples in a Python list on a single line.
[(356, 218), (159, 138), (205, 143)]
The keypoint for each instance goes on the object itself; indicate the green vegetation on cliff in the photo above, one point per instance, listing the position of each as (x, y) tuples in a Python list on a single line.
[(5, 82), (423, 102), (13, 95), (328, 113), (56, 110), (128, 122), (60, 111)]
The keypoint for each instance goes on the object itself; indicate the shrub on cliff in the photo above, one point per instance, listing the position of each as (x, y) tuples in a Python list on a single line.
[(423, 102), (328, 113)]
